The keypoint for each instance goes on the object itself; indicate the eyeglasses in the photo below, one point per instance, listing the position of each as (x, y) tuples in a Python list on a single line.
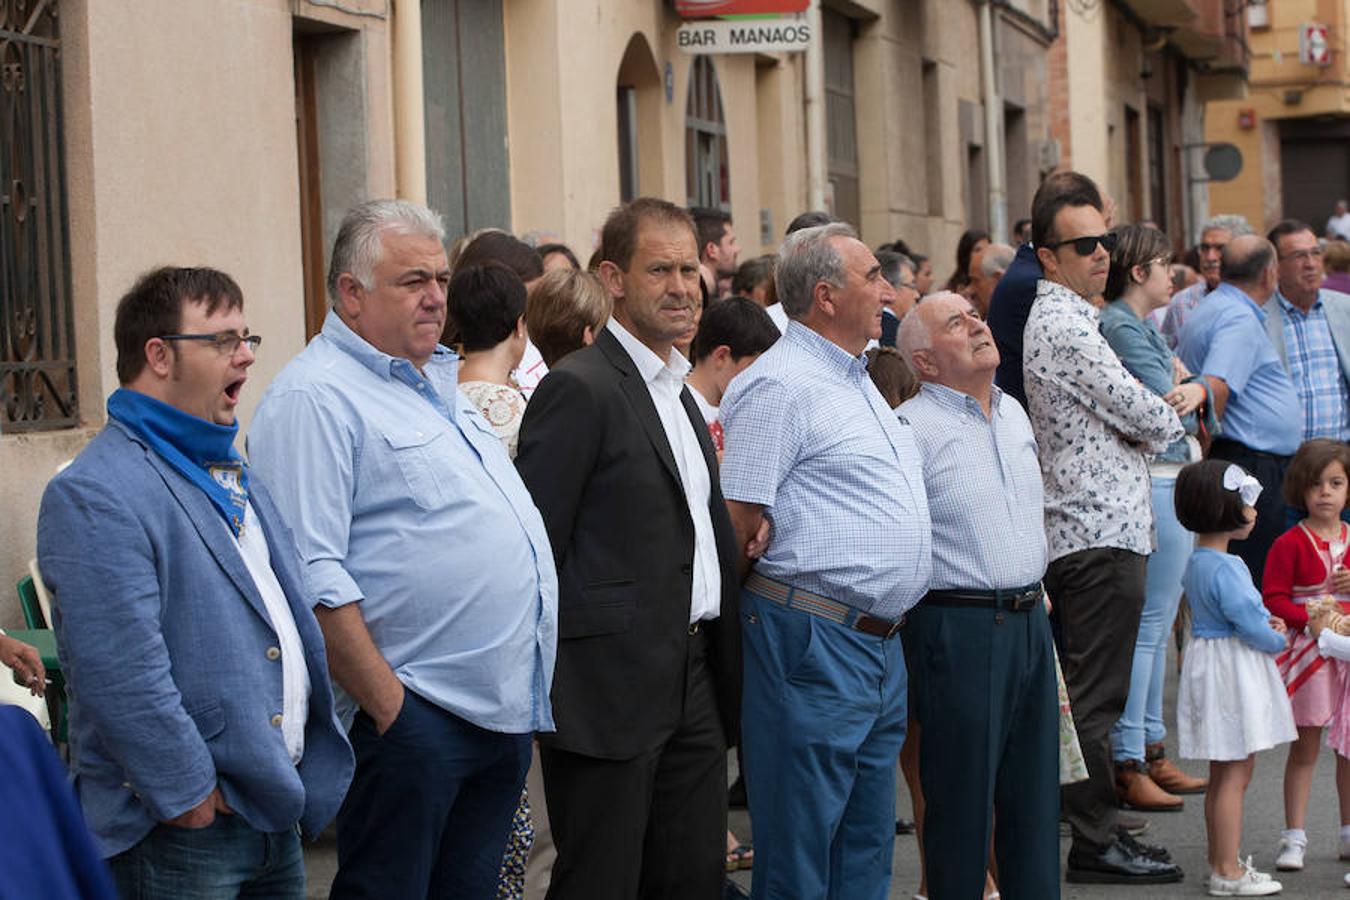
[(1314, 253), (1210, 248), (226, 343), (909, 286), (1087, 245)]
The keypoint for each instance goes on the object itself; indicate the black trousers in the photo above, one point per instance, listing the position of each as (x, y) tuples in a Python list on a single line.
[(1271, 511), (1098, 595), (652, 827), (990, 711)]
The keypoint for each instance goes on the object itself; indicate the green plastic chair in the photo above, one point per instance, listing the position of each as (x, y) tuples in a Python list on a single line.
[(32, 608), (33, 617)]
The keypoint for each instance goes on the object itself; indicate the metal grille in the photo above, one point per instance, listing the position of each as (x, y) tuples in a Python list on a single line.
[(37, 330)]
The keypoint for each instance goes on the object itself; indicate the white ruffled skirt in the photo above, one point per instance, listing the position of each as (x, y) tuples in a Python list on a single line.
[(1231, 702)]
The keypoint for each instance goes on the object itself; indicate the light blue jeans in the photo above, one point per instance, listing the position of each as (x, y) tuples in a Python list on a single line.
[(1142, 721)]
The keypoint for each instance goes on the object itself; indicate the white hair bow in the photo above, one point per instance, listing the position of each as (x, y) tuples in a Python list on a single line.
[(1235, 478)]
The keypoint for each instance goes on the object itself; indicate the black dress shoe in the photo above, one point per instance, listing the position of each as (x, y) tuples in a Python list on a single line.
[(1118, 864), (904, 826), (1153, 851)]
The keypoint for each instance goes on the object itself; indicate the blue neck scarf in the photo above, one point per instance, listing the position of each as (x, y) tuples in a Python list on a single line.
[(201, 451)]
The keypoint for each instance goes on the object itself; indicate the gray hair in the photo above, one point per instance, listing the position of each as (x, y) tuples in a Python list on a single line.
[(806, 258), (996, 259), (357, 249), (1233, 224)]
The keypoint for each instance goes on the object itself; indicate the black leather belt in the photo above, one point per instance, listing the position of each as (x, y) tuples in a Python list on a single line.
[(1016, 599)]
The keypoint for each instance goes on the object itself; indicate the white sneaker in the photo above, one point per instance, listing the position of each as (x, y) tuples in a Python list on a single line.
[(1290, 858), (1250, 883), (1345, 849)]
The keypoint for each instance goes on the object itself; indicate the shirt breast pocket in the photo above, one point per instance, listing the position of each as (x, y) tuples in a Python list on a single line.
[(422, 460)]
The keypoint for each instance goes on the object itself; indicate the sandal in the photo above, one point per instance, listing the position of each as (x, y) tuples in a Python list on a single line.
[(742, 857)]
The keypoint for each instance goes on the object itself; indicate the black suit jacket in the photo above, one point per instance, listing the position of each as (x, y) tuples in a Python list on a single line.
[(598, 464)]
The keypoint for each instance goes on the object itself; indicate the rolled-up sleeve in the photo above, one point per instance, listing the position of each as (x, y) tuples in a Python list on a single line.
[(306, 456), (762, 440)]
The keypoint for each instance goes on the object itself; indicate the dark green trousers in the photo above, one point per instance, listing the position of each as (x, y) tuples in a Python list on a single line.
[(989, 750)]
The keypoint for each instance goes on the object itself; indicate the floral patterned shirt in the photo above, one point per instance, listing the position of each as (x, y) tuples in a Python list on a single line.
[(1095, 423)]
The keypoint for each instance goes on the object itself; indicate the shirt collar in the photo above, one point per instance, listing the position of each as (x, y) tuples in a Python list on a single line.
[(381, 363), (956, 400), (649, 365), (1070, 299), (1289, 307), (824, 349)]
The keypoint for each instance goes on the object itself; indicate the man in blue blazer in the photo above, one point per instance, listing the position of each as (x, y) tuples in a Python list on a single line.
[(1310, 328), (203, 735)]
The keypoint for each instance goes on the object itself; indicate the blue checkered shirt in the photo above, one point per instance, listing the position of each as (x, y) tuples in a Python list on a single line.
[(809, 437), (984, 489), (1316, 371)]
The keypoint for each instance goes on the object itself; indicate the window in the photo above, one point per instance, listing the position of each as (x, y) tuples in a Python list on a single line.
[(37, 329), (841, 124), (1157, 185), (628, 147), (1134, 182), (707, 175)]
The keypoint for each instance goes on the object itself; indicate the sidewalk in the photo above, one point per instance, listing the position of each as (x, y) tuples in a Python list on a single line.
[(1183, 833)]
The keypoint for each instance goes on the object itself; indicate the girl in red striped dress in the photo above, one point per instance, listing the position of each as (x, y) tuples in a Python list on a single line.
[(1308, 561)]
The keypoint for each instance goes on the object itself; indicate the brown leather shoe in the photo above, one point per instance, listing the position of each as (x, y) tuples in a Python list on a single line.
[(1167, 776), (1135, 790)]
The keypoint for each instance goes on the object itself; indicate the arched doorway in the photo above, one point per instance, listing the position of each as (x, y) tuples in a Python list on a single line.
[(638, 87)]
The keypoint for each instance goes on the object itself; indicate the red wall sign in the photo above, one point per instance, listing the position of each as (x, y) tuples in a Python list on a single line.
[(702, 9)]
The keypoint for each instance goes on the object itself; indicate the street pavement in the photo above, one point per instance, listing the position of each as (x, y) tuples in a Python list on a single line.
[(1183, 833)]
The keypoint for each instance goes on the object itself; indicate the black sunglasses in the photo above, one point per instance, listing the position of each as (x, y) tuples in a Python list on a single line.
[(1084, 246)]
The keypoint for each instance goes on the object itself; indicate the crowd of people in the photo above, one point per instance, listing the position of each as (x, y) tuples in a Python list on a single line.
[(521, 551)]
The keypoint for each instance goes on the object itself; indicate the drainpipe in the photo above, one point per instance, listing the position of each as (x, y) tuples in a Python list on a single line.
[(410, 160), (814, 110), (993, 127)]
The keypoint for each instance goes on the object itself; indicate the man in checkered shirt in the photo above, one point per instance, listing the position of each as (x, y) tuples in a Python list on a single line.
[(812, 447)]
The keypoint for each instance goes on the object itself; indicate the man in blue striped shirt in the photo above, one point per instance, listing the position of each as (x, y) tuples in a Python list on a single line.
[(981, 639), (812, 446)]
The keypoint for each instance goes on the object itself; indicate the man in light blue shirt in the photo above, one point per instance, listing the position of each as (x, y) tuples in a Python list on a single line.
[(436, 586), (981, 644), (1225, 340), (812, 446)]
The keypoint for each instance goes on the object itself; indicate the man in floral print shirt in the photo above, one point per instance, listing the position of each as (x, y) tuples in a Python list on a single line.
[(1094, 423)]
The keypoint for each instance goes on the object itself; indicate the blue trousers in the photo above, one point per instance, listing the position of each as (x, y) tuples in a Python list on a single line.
[(224, 860), (1142, 721), (429, 808), (823, 721)]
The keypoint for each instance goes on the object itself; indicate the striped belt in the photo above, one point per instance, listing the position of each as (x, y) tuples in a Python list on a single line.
[(817, 605)]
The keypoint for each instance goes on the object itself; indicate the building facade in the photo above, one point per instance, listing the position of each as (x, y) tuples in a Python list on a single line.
[(235, 133), (1293, 129)]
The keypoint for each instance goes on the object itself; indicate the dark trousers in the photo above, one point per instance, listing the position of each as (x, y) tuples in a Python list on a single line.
[(429, 808), (987, 697), (652, 827), (1271, 512), (1099, 596)]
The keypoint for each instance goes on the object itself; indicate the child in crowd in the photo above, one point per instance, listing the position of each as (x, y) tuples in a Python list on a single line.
[(1307, 561), (1231, 702)]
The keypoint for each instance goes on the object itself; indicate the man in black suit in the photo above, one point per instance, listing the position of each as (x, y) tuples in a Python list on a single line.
[(646, 693)]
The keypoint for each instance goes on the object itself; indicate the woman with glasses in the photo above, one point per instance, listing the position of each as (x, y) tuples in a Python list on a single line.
[(1140, 282)]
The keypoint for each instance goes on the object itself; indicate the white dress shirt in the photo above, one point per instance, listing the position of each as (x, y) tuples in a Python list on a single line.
[(252, 544), (665, 381)]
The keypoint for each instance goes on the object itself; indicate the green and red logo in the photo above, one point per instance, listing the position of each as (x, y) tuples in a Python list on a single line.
[(703, 9)]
